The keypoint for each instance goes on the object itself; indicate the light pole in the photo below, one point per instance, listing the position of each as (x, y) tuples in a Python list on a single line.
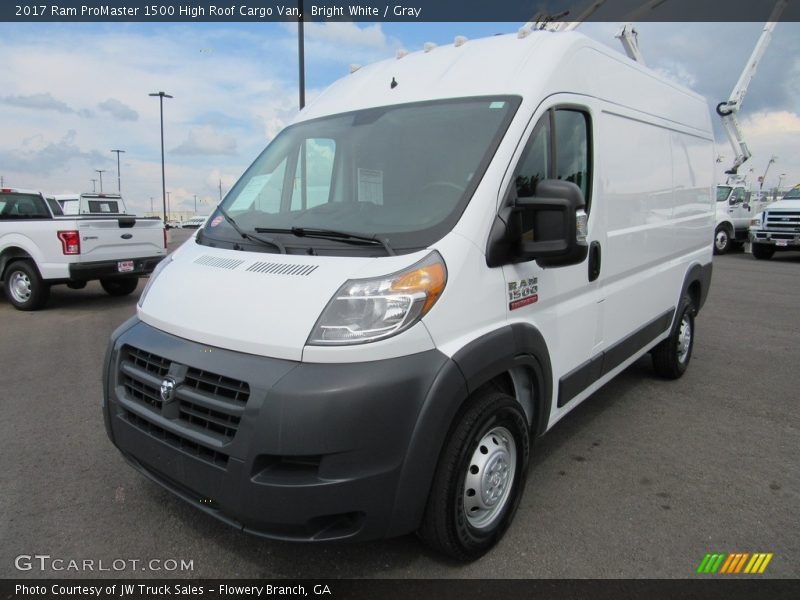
[(161, 96), (94, 187), (151, 204), (169, 206), (195, 204), (101, 171), (119, 181), (301, 55), (780, 181)]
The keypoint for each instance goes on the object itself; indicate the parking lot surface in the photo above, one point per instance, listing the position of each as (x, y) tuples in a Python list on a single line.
[(642, 480)]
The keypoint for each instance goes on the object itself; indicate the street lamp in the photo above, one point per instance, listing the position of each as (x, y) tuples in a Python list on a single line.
[(94, 187), (780, 181), (101, 171), (119, 181), (161, 96)]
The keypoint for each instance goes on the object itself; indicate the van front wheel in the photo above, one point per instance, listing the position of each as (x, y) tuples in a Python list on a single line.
[(479, 479), (671, 357)]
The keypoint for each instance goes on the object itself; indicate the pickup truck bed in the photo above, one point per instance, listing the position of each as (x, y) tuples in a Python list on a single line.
[(38, 250)]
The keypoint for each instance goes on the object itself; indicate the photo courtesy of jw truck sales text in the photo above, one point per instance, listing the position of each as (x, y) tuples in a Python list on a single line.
[(356, 386)]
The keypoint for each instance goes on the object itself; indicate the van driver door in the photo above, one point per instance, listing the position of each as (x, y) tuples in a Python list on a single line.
[(565, 303)]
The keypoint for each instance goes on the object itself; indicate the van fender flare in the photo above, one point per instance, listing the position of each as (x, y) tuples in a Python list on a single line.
[(701, 274), (509, 347)]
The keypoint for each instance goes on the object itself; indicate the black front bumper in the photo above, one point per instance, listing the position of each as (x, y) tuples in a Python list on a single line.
[(107, 269), (317, 451)]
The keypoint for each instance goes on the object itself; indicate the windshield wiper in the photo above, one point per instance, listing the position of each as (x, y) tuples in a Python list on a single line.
[(250, 236), (332, 234)]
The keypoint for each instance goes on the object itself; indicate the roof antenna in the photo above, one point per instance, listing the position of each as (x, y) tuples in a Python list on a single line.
[(393, 84)]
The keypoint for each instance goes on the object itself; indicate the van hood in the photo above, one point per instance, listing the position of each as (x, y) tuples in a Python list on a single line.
[(264, 304)]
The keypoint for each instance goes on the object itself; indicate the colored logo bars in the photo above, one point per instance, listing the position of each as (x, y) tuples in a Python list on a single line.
[(735, 562)]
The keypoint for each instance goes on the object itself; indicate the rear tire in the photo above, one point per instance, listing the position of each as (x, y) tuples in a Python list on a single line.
[(763, 251), (121, 286), (722, 240), (25, 288), (671, 357), (479, 479)]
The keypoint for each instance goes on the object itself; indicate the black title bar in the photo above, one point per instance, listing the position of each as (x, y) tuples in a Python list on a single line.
[(519, 11)]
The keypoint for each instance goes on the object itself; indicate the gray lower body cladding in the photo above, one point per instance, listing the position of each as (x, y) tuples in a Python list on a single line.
[(280, 448)]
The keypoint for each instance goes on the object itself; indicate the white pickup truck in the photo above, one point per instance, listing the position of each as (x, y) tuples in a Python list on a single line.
[(40, 247), (778, 227)]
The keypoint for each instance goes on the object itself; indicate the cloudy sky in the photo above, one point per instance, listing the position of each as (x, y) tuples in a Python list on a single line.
[(72, 92)]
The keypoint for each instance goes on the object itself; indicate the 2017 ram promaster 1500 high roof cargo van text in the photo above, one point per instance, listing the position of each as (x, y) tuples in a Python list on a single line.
[(441, 257)]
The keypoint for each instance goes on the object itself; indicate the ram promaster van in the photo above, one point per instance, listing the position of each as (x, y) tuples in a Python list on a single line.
[(439, 259)]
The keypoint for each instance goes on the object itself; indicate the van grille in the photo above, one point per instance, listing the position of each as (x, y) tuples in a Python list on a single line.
[(782, 220), (205, 404)]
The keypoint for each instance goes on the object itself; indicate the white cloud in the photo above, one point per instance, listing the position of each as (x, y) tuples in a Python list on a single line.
[(37, 102), (206, 141), (118, 110)]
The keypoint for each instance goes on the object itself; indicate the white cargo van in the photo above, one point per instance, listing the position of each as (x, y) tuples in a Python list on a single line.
[(443, 255)]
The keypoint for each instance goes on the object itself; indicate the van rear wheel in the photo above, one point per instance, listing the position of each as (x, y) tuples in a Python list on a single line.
[(121, 286), (671, 357), (479, 479)]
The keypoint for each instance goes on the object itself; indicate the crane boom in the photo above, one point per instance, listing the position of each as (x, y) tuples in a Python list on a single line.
[(727, 110)]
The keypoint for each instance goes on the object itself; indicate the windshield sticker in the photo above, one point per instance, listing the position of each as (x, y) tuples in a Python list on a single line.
[(523, 292), (248, 195), (217, 220), (497, 104), (370, 186)]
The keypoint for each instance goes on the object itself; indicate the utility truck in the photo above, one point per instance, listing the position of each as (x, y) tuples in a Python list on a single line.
[(40, 247), (442, 256), (777, 228)]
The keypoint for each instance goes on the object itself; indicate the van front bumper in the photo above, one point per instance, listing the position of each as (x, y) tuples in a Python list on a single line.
[(278, 448)]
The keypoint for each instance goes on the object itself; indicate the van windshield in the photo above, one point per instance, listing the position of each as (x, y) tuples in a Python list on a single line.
[(401, 173)]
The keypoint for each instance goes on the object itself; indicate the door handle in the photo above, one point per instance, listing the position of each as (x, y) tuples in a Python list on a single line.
[(594, 260)]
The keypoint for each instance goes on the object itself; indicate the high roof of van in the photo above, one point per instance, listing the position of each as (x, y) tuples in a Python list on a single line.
[(533, 67)]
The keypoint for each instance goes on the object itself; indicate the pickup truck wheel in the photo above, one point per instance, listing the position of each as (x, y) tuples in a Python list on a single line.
[(671, 357), (121, 286), (25, 289), (763, 251), (722, 240), (479, 478)]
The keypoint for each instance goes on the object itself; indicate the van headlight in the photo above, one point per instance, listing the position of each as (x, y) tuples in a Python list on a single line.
[(156, 272), (367, 310)]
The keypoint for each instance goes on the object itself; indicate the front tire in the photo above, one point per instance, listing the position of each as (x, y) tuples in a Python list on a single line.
[(479, 479), (121, 286), (671, 357), (25, 288), (722, 240), (763, 251)]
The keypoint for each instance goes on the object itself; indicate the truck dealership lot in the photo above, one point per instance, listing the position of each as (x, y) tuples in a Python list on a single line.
[(642, 480)]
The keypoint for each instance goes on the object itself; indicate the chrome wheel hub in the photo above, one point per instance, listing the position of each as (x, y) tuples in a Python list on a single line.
[(490, 476), (721, 239), (20, 287), (684, 339)]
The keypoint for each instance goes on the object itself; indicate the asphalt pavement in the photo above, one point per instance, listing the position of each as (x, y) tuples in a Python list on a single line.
[(642, 480)]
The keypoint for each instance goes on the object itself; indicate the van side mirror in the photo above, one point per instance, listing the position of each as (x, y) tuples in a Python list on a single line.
[(549, 227)]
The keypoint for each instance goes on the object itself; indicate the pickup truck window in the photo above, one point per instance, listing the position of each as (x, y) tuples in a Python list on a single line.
[(55, 207), (103, 206), (793, 194), (403, 173), (723, 191), (22, 206)]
